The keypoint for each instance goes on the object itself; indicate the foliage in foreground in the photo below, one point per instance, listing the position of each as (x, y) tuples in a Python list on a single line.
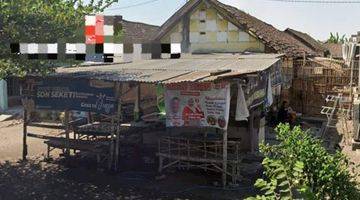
[(299, 167)]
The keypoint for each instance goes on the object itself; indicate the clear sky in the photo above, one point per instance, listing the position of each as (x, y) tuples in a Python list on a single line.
[(318, 20)]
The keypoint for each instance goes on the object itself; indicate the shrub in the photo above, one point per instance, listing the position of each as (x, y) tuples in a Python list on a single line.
[(300, 167)]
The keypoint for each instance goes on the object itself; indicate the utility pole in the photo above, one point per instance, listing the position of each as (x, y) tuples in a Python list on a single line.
[(358, 46)]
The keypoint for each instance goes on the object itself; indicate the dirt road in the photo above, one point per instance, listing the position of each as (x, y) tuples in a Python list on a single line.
[(77, 179), (11, 141)]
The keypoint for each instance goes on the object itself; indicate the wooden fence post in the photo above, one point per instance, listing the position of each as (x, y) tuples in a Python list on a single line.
[(225, 143), (25, 150), (119, 118), (67, 133), (111, 153)]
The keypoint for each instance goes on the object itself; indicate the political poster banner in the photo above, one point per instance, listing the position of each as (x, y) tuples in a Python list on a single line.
[(76, 94), (197, 105)]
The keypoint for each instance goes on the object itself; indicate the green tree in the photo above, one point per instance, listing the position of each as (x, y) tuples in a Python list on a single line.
[(41, 21), (336, 39), (300, 167)]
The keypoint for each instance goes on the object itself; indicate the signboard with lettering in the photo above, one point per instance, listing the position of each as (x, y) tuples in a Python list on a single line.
[(255, 92), (197, 104), (75, 94)]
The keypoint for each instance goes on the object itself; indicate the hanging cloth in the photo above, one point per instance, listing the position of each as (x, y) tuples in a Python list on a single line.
[(242, 112), (269, 94)]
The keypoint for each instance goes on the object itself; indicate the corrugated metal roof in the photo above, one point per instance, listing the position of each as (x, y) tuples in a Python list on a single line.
[(190, 77), (188, 68)]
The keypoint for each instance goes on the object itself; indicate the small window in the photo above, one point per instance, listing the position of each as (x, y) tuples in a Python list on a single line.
[(202, 15)]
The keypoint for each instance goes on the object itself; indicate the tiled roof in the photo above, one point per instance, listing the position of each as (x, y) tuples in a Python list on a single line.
[(335, 50), (307, 40), (272, 37), (136, 32)]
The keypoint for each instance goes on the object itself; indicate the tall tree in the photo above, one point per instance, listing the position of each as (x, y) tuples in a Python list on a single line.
[(41, 21), (336, 39)]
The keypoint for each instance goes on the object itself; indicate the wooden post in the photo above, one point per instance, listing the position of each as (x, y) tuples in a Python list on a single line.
[(25, 150), (205, 152), (188, 153), (117, 146), (225, 143), (351, 76), (160, 157), (178, 151), (251, 131), (74, 150), (67, 133), (119, 118), (237, 161), (48, 152), (111, 153), (137, 103), (358, 70)]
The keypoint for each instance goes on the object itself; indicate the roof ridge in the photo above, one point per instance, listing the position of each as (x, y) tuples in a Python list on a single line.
[(264, 35), (175, 17), (307, 39), (142, 23)]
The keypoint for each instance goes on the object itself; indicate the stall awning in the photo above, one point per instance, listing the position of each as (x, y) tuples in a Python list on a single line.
[(193, 68)]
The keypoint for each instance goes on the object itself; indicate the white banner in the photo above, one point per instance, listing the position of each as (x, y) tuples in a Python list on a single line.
[(197, 104)]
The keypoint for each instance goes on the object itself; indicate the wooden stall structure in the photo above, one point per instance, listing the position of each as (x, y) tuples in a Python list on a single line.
[(314, 80), (204, 153), (221, 150), (77, 134)]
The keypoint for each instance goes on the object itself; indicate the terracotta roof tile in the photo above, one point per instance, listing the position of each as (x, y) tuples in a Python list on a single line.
[(136, 32), (272, 37), (335, 50), (307, 40)]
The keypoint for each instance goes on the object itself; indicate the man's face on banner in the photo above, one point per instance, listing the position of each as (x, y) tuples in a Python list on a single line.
[(191, 102), (175, 105)]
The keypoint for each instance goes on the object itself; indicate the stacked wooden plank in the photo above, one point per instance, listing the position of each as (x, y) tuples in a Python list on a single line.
[(314, 80)]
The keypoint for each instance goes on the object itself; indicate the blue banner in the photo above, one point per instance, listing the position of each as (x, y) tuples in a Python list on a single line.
[(74, 94)]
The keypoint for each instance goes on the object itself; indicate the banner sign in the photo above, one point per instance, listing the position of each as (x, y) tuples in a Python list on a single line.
[(197, 105), (74, 94), (256, 91)]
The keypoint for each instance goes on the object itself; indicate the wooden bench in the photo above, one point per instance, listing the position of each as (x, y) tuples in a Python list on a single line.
[(94, 147)]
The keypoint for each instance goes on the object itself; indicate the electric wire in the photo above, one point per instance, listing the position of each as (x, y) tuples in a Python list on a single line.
[(132, 6)]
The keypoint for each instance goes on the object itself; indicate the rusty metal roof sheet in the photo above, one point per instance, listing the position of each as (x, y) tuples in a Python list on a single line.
[(188, 68)]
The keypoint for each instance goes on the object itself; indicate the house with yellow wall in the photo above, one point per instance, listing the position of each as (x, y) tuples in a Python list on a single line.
[(209, 26)]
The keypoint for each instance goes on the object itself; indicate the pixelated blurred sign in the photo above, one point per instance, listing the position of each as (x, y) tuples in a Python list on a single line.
[(77, 94)]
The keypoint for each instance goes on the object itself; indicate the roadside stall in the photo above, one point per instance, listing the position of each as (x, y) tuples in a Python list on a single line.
[(68, 95), (206, 110)]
